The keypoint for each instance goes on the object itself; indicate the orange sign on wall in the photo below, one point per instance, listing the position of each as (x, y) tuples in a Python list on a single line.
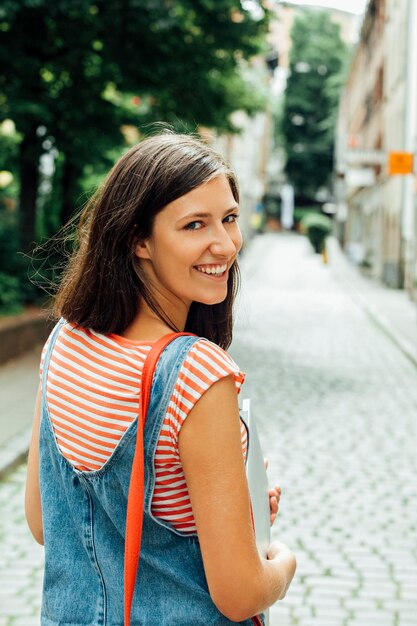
[(401, 163)]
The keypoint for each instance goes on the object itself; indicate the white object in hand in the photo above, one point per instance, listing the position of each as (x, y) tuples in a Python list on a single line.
[(258, 485)]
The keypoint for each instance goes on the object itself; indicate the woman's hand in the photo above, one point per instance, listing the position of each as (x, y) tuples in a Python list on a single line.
[(284, 559), (274, 498)]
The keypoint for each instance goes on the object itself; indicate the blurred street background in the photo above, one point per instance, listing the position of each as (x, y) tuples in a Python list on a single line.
[(315, 106)]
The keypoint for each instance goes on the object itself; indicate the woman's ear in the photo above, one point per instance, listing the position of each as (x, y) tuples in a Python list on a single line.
[(142, 249)]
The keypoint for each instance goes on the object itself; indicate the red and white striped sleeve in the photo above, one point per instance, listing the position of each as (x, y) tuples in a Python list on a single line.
[(205, 364)]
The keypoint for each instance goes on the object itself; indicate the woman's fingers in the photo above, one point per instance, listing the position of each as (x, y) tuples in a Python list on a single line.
[(273, 510), (274, 498), (275, 491)]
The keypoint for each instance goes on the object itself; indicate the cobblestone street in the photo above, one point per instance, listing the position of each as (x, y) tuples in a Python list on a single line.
[(21, 557), (336, 403)]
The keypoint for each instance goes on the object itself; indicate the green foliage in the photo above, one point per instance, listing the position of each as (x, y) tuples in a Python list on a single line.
[(87, 60), (310, 102), (9, 151), (10, 294), (301, 212), (16, 290), (317, 227), (9, 243), (84, 56), (75, 74)]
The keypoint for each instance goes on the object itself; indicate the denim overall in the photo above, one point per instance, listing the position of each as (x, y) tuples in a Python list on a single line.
[(84, 517)]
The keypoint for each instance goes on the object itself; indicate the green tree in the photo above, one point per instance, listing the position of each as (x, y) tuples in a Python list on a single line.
[(310, 102), (75, 71)]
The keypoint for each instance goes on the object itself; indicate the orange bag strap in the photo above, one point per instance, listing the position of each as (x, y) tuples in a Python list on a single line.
[(136, 497)]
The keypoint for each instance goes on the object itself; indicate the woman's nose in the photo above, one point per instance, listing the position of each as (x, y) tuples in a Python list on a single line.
[(224, 244)]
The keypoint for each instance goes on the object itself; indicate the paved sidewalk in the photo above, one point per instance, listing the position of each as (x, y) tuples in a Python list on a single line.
[(391, 309), (19, 381), (21, 558)]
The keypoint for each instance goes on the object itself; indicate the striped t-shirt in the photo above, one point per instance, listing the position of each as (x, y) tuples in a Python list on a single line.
[(93, 397)]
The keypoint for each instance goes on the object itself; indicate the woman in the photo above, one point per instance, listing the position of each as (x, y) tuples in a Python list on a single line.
[(157, 252)]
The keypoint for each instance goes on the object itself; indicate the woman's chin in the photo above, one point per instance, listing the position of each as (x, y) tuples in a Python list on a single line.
[(211, 301)]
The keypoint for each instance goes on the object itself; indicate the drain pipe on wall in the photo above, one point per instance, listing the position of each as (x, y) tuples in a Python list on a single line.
[(409, 221)]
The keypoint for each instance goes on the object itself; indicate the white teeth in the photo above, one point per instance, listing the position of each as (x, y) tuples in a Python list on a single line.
[(218, 269)]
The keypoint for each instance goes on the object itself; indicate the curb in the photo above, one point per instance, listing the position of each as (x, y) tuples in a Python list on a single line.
[(350, 277), (20, 333), (386, 327), (15, 452)]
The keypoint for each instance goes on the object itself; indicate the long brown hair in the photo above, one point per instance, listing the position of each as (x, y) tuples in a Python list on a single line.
[(103, 283)]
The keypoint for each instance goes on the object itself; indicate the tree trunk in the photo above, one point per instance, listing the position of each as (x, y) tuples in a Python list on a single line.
[(29, 183)]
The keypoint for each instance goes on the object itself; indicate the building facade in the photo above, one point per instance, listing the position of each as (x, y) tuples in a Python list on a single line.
[(360, 134), (377, 115), (259, 163)]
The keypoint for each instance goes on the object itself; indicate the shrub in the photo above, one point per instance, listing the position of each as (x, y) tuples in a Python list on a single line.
[(301, 212), (11, 300), (16, 289), (317, 228)]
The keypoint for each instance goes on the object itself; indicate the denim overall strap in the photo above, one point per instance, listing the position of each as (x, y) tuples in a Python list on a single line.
[(135, 505), (52, 339)]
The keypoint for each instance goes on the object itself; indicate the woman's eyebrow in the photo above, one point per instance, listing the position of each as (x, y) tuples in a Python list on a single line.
[(203, 214)]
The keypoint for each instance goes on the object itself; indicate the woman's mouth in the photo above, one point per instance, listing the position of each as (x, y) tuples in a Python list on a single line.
[(212, 271)]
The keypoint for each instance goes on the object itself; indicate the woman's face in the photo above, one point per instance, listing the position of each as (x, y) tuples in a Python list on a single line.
[(195, 241)]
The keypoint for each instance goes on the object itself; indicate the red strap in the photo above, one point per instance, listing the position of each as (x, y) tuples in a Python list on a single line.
[(136, 498), (135, 503)]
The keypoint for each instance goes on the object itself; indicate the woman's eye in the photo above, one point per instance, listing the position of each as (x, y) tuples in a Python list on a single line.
[(197, 225), (194, 226), (231, 218)]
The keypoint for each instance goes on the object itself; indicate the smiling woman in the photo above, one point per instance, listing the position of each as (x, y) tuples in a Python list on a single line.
[(189, 261), (164, 184), (157, 253)]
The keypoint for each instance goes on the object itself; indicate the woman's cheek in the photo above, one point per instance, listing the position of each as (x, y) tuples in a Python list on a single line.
[(239, 239)]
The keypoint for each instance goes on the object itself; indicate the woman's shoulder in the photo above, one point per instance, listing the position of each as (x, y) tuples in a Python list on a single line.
[(206, 362), (204, 346)]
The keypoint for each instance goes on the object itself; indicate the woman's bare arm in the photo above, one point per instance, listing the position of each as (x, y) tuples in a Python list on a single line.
[(32, 494), (241, 584)]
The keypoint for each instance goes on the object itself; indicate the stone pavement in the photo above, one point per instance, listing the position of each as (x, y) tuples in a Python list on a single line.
[(21, 558), (391, 309), (336, 403), (336, 400), (19, 381)]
